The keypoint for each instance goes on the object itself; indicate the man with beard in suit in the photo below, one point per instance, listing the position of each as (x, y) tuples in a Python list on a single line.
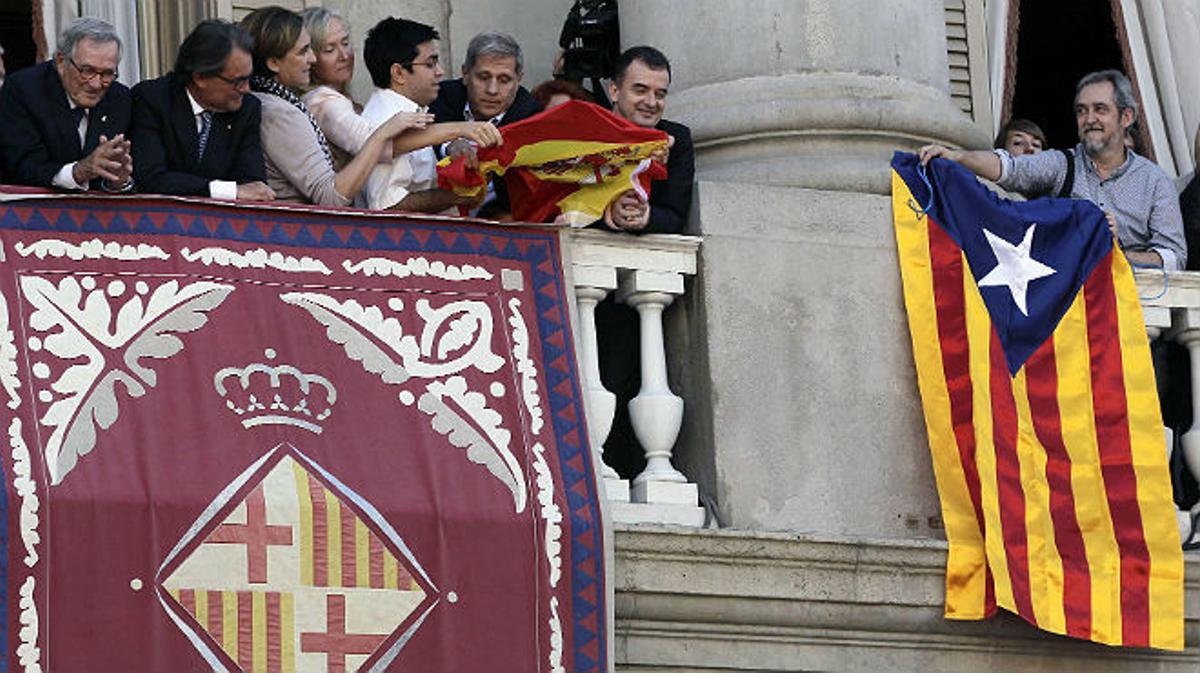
[(63, 122), (195, 131)]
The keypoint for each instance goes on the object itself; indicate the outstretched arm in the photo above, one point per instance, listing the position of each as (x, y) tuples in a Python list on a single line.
[(983, 163)]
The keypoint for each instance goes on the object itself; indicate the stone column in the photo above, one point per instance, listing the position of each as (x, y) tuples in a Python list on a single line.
[(807, 93), (803, 409)]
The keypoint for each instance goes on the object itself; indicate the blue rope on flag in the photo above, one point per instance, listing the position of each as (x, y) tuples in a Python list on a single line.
[(1166, 280), (921, 212)]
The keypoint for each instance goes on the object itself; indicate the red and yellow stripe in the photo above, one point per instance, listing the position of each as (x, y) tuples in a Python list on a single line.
[(1053, 483), (336, 547), (257, 629)]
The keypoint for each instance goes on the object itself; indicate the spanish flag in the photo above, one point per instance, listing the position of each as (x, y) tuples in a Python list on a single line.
[(573, 159), (1040, 405)]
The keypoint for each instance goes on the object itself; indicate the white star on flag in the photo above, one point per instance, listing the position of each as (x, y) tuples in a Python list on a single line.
[(1014, 267)]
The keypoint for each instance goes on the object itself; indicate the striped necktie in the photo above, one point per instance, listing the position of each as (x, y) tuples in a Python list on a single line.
[(205, 127)]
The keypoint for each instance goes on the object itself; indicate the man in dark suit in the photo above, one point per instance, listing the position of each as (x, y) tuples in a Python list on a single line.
[(63, 122), (489, 90), (195, 131), (638, 91)]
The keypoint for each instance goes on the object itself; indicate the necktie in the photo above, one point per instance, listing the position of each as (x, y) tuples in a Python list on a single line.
[(77, 115), (205, 127)]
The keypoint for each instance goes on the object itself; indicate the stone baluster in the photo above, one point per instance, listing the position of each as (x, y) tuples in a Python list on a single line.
[(647, 273), (592, 284), (656, 413), (1187, 323)]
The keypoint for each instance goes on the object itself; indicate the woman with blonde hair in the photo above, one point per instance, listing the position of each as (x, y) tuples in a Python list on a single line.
[(340, 118), (299, 161)]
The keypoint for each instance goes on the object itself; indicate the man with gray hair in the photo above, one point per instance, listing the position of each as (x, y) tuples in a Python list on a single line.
[(63, 122), (489, 90), (1135, 194)]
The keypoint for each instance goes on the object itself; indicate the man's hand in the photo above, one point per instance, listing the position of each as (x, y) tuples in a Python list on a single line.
[(255, 191), (461, 147), (928, 152), (629, 212), (663, 154), (403, 121), (1112, 222), (110, 160), (483, 134)]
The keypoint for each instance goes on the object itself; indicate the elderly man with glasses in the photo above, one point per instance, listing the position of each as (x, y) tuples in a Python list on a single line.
[(195, 130), (63, 122)]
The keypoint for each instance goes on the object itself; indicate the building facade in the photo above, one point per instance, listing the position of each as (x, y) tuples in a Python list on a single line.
[(788, 341)]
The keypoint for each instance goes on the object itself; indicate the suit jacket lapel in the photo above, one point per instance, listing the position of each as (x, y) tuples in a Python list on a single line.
[(219, 139), (185, 126), (64, 121), (97, 124)]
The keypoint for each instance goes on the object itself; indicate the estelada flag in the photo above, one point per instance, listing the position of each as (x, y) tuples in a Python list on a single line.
[(573, 160), (1041, 409)]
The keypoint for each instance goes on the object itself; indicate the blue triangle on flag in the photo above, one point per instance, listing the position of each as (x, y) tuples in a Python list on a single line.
[(383, 241), (357, 240), (278, 236), (91, 224), (330, 239), (305, 237), (197, 227), (408, 242), (118, 225), (252, 233), (1068, 236), (462, 245)]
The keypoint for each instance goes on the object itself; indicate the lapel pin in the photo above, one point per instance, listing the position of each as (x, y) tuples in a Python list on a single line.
[(103, 119), (229, 127)]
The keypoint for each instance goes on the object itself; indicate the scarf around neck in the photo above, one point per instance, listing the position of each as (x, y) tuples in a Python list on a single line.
[(271, 86)]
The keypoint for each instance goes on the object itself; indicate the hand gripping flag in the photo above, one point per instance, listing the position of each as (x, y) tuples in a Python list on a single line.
[(1040, 405), (573, 160)]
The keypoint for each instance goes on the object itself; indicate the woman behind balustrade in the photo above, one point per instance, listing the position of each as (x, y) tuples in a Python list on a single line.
[(338, 115), (299, 162)]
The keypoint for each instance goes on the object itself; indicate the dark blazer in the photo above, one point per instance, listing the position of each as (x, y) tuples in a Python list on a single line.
[(671, 199), (38, 134), (449, 107), (165, 141)]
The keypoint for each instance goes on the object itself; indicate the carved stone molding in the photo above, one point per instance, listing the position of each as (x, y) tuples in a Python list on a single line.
[(748, 601)]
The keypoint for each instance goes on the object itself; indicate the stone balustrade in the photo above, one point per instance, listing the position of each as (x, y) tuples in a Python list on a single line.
[(1171, 310), (646, 273)]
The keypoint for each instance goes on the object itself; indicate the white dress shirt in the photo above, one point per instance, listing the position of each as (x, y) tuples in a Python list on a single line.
[(65, 177), (414, 171), (218, 189)]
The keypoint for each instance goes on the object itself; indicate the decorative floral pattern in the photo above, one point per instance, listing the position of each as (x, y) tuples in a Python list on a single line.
[(78, 322)]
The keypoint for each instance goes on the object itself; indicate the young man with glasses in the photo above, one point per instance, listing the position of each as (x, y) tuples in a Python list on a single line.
[(402, 57), (195, 130), (63, 122)]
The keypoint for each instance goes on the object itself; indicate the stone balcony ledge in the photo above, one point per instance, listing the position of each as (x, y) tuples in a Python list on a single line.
[(730, 600)]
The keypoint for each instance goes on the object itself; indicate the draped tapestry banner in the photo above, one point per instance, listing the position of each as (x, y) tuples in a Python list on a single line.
[(267, 439)]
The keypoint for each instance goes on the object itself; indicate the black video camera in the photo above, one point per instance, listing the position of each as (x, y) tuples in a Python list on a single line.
[(590, 39)]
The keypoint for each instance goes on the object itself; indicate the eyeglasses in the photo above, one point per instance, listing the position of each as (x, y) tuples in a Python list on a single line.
[(87, 73), (237, 82), (433, 62)]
